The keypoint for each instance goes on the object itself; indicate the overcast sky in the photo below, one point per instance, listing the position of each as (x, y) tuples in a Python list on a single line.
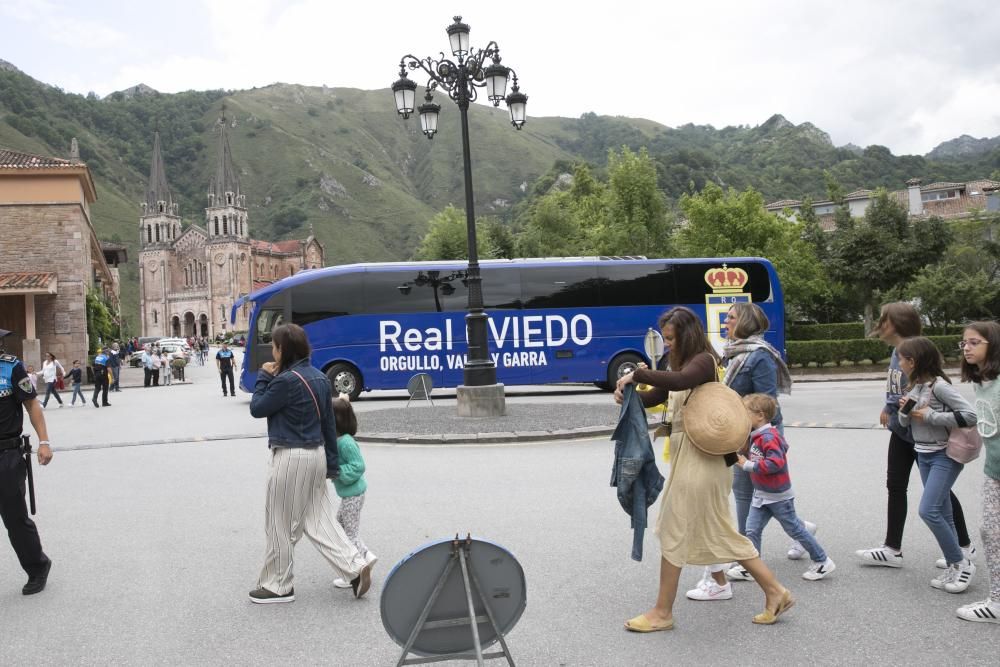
[(904, 74)]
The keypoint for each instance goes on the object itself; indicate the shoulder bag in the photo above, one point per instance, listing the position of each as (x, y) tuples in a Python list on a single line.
[(964, 442)]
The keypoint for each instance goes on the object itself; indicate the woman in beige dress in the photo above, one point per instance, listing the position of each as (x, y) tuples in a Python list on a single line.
[(695, 524)]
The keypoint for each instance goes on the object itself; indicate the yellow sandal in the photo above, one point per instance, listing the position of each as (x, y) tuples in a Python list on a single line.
[(642, 624), (767, 617)]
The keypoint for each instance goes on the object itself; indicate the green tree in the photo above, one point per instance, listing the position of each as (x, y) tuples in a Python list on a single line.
[(498, 239), (553, 229), (636, 216), (949, 293), (736, 224), (882, 251), (447, 237), (100, 324)]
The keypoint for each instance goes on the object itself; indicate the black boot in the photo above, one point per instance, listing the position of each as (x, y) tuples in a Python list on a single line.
[(36, 583)]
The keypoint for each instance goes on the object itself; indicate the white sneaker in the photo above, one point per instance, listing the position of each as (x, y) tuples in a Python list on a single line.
[(948, 576), (341, 583), (710, 590), (880, 556), (737, 573), (817, 571), (962, 578), (985, 611), (969, 552), (796, 550)]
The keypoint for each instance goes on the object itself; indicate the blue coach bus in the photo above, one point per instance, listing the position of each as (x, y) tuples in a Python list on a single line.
[(573, 320)]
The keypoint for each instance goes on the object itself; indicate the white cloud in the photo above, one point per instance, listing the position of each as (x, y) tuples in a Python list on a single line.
[(907, 74)]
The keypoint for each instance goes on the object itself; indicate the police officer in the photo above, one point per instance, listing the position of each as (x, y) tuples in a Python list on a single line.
[(16, 394), (226, 363), (101, 378)]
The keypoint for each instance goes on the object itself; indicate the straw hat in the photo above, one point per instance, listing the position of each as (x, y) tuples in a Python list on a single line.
[(715, 420)]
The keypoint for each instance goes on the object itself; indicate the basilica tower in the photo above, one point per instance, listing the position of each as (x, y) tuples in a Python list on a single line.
[(159, 227)]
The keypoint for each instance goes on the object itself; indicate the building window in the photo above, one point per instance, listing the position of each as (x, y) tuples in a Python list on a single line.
[(216, 225), (940, 194), (157, 233), (154, 316), (149, 234)]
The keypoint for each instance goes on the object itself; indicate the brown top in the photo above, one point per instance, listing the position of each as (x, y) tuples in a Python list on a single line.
[(698, 371)]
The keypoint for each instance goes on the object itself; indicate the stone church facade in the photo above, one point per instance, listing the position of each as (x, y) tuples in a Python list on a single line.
[(190, 277)]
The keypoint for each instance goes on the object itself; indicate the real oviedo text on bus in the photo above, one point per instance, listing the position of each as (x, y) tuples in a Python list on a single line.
[(573, 320)]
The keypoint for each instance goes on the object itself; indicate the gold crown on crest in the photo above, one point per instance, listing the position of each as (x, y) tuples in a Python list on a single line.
[(723, 279)]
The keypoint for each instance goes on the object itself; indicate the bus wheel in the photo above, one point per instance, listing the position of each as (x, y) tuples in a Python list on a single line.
[(621, 365), (345, 379)]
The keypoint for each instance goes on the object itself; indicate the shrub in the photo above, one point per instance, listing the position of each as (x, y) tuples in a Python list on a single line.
[(837, 351), (837, 331)]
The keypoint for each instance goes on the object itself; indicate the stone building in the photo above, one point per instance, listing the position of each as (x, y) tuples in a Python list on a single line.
[(189, 277), (49, 256), (949, 201)]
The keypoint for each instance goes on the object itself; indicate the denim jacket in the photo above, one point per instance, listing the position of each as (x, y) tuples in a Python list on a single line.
[(291, 414), (635, 474), (759, 375)]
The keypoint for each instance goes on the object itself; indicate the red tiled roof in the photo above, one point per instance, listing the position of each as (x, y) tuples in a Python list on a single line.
[(940, 185), (782, 203), (24, 280), (258, 284), (15, 160), (859, 194), (293, 246)]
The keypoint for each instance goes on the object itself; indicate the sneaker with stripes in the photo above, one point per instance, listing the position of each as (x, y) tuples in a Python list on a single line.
[(985, 611), (962, 578), (969, 552), (883, 556)]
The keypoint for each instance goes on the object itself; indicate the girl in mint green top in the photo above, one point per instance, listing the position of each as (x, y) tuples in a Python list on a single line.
[(981, 365), (350, 485)]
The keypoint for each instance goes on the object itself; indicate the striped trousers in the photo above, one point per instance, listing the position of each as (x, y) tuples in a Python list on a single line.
[(298, 502)]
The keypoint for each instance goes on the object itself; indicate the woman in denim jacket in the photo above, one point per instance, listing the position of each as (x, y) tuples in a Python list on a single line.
[(302, 438), (753, 366)]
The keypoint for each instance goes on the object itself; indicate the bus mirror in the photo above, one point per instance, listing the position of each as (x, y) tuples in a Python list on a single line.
[(653, 346)]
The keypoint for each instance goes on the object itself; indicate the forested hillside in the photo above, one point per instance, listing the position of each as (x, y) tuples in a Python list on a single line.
[(343, 163)]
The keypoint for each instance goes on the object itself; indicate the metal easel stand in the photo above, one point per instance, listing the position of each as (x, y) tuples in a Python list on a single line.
[(460, 554)]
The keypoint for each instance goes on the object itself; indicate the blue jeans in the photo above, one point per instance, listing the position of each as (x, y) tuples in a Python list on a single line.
[(115, 371), (77, 391), (939, 473), (784, 512)]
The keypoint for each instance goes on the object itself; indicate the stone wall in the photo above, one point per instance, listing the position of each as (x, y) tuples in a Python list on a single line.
[(55, 238)]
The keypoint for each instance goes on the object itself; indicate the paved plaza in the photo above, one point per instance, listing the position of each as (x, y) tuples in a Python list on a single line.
[(155, 546)]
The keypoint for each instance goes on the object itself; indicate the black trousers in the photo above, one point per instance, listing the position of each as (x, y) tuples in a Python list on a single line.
[(20, 528), (227, 374), (902, 456), (101, 386), (147, 376)]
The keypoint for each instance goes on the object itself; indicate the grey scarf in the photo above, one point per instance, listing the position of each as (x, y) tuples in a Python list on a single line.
[(736, 353)]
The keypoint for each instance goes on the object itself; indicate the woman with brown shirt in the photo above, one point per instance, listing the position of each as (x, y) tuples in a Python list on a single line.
[(695, 524)]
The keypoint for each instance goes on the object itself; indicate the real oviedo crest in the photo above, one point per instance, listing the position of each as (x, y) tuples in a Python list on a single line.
[(727, 286)]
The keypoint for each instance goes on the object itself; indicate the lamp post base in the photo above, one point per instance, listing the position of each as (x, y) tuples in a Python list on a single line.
[(481, 401)]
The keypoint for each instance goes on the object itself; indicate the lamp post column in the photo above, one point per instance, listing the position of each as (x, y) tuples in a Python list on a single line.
[(479, 368)]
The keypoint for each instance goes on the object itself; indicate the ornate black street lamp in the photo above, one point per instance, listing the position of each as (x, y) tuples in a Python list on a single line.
[(461, 78)]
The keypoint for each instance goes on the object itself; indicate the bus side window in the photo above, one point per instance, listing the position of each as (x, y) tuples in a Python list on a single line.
[(637, 285), (559, 286)]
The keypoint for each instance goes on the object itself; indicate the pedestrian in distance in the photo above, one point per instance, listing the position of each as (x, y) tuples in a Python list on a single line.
[(695, 524), (933, 408), (897, 322), (773, 496), (18, 395), (76, 379), (981, 365), (350, 485), (296, 398), (115, 365), (167, 370), (147, 367), (155, 362), (52, 373), (225, 361), (100, 379)]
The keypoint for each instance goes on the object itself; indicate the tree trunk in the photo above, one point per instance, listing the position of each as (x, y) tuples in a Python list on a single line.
[(869, 317)]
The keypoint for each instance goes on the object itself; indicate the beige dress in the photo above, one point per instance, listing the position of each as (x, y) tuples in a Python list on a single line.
[(695, 524)]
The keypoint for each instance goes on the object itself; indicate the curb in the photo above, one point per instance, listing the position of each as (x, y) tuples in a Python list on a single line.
[(493, 438)]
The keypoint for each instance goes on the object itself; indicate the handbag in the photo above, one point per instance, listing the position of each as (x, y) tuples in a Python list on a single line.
[(964, 442), (60, 385), (330, 472)]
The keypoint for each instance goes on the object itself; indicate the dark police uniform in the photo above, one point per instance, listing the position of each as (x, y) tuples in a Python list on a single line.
[(225, 358), (101, 379), (15, 390)]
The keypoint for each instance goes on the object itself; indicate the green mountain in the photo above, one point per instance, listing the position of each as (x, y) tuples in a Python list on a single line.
[(341, 162)]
